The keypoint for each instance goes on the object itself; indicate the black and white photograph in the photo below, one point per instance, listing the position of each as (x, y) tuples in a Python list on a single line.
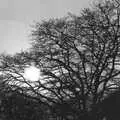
[(59, 59)]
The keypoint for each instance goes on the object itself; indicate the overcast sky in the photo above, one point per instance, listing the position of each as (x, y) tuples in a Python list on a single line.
[(16, 16)]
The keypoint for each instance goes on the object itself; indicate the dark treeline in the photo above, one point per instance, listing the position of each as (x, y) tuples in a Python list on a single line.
[(79, 62)]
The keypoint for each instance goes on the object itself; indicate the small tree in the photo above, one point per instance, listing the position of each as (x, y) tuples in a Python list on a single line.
[(78, 57)]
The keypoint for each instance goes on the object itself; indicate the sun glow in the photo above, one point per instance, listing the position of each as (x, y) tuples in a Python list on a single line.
[(32, 73)]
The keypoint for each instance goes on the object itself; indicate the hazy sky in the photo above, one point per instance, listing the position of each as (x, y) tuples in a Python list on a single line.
[(16, 16)]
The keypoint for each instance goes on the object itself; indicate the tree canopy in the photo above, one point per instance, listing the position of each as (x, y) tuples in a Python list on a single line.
[(79, 60)]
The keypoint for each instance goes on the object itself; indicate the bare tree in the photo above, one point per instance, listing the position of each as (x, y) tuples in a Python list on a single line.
[(78, 57)]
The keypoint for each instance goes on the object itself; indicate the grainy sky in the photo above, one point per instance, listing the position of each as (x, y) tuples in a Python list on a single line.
[(16, 16)]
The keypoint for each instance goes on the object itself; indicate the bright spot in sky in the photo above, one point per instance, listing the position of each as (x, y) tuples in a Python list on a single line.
[(32, 73)]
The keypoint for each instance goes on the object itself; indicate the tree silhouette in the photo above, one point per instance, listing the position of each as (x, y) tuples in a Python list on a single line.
[(15, 106), (110, 106), (78, 57)]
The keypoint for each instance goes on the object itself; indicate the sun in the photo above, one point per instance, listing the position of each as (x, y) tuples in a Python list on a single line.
[(32, 73)]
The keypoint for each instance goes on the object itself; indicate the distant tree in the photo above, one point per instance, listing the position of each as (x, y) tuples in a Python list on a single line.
[(15, 106), (79, 60)]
